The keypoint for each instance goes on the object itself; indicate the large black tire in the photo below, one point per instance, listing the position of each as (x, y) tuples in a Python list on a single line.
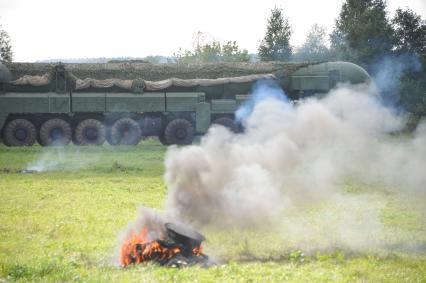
[(179, 131), (55, 132), (90, 132), (108, 137), (227, 122), (74, 140), (162, 140), (20, 132), (125, 131)]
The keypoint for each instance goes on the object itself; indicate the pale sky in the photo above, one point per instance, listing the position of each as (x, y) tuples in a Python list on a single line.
[(49, 29)]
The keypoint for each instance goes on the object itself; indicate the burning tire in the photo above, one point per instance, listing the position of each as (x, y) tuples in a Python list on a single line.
[(179, 131), (20, 132), (125, 131), (227, 123), (179, 246), (55, 132), (90, 132)]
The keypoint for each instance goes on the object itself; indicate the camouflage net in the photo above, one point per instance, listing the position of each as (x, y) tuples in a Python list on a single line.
[(152, 77), (204, 82), (158, 72), (34, 80), (160, 85), (148, 85), (87, 83)]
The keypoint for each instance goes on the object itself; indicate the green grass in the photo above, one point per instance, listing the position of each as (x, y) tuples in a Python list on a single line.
[(63, 225)]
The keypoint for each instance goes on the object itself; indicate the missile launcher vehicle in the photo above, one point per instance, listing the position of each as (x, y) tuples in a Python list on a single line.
[(88, 104)]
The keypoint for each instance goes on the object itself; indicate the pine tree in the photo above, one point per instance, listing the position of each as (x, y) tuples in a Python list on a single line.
[(276, 43), (6, 53)]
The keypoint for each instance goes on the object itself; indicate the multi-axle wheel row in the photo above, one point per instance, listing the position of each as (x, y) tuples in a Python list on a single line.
[(55, 131), (124, 131)]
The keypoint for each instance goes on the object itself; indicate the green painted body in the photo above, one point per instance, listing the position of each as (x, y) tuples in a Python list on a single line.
[(200, 104)]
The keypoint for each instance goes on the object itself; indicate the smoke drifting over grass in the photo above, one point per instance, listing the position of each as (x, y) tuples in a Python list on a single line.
[(293, 159), (292, 177), (289, 155), (389, 71), (59, 158)]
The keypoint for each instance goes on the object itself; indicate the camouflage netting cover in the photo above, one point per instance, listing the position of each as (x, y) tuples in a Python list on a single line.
[(87, 83), (159, 85), (34, 80), (152, 76)]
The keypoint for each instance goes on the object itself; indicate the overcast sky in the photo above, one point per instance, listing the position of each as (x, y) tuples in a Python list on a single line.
[(50, 29)]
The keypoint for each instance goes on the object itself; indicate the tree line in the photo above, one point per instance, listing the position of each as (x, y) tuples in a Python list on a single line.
[(392, 50), (363, 34)]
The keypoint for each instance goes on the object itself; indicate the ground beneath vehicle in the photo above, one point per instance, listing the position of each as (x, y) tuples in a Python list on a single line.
[(122, 103)]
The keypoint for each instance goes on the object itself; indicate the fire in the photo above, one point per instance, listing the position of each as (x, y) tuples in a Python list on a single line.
[(137, 248), (197, 250)]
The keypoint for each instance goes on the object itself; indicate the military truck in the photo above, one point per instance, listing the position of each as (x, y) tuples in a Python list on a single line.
[(88, 104)]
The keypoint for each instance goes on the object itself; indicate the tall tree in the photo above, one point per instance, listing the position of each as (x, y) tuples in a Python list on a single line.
[(410, 45), (362, 33), (6, 54), (315, 47), (276, 43), (410, 33)]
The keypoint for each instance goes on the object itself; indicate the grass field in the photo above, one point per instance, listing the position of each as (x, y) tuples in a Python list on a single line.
[(62, 225)]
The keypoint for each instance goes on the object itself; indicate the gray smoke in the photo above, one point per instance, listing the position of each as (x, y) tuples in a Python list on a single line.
[(294, 158), (59, 158), (289, 155), (287, 175)]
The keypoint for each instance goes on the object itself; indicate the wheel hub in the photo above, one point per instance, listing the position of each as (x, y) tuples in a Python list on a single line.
[(91, 133), (125, 132), (21, 134), (57, 133), (180, 133)]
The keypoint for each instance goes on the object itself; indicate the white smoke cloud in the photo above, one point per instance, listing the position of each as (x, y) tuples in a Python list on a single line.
[(59, 158), (295, 156), (284, 174)]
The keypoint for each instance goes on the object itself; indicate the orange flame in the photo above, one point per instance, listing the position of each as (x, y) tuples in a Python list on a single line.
[(198, 250), (137, 249)]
